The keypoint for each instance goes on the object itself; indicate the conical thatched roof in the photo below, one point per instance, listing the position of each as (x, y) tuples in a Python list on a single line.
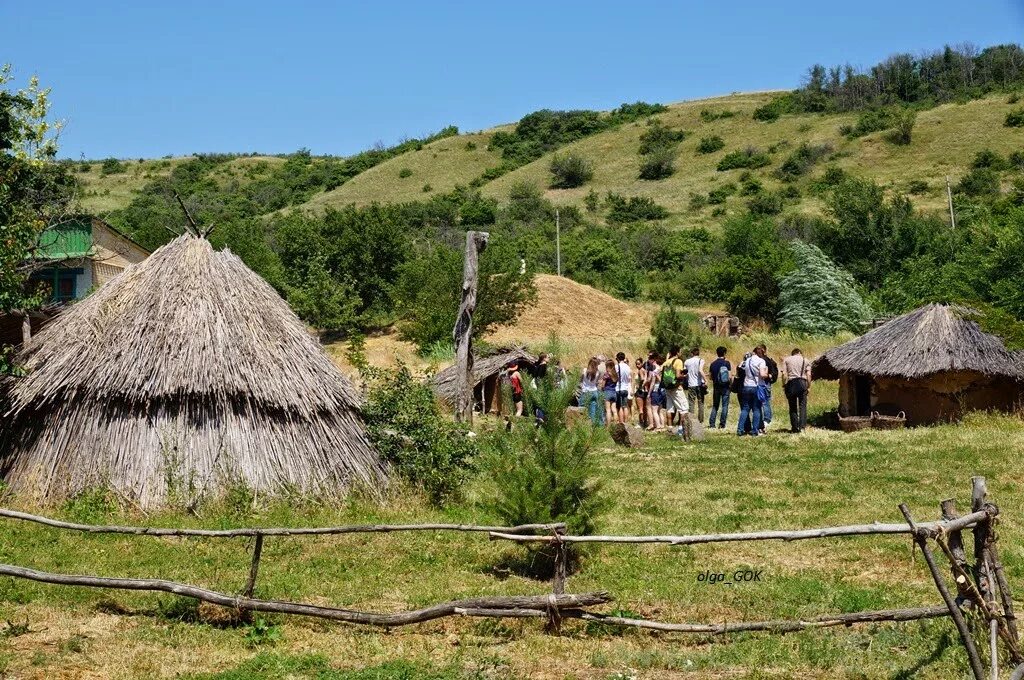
[(933, 339), (444, 383), (185, 373)]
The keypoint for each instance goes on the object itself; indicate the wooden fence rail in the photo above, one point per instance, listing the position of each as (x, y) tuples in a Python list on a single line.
[(977, 586)]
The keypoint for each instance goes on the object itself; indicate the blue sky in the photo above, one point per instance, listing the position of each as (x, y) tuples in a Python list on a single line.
[(146, 79)]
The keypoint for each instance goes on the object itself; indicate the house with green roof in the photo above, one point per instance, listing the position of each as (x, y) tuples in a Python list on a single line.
[(80, 254)]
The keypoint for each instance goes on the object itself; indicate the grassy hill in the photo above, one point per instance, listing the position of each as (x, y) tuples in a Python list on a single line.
[(944, 142), (105, 192)]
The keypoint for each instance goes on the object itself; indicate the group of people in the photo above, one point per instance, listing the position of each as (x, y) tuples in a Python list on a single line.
[(661, 392)]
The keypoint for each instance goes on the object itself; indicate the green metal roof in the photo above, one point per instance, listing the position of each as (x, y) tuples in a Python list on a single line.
[(66, 240)]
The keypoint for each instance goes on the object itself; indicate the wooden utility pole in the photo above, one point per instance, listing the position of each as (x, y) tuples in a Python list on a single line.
[(558, 244), (462, 334), (949, 197)]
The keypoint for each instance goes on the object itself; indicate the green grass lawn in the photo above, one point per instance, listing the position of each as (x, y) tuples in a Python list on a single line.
[(721, 484)]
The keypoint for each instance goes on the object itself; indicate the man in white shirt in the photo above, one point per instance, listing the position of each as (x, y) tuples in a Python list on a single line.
[(696, 381), (623, 387), (755, 370)]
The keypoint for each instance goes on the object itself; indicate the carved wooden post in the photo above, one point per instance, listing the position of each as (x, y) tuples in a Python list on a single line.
[(26, 328), (462, 334)]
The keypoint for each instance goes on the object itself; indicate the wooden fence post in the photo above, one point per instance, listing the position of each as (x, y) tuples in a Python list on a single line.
[(940, 585), (254, 566), (956, 547), (558, 579), (462, 334)]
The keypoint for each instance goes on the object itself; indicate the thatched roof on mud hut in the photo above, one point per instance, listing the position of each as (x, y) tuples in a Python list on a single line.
[(483, 367), (185, 373), (930, 340)]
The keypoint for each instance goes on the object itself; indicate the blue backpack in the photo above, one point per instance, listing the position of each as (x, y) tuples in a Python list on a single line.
[(723, 374)]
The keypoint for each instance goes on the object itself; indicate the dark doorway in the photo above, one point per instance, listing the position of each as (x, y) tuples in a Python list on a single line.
[(862, 395)]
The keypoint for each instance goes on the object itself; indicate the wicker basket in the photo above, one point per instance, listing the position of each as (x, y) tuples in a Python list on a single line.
[(880, 422), (854, 423)]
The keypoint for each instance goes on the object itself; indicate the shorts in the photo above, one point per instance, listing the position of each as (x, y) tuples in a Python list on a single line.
[(622, 399), (676, 402), (658, 398), (640, 394), (611, 395), (516, 398)]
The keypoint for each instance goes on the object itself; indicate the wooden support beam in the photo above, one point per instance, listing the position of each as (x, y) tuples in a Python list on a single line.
[(462, 333)]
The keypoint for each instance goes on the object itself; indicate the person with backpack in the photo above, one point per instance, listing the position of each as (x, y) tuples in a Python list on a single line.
[(755, 370), (721, 377), (773, 377), (796, 383), (672, 376)]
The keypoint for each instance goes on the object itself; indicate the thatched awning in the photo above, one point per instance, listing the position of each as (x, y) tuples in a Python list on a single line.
[(930, 340), (483, 367), (187, 368)]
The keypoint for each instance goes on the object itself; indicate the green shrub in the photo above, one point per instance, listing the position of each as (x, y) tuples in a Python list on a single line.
[(405, 172), (592, 201), (710, 116), (698, 201), (658, 164), (710, 144), (817, 297), (1013, 98), (871, 120), (903, 123), (802, 160), (750, 158), (634, 209), (84, 167), (111, 166), (917, 187), (570, 171), (750, 186), (427, 188), (717, 196), (987, 158), (1016, 160), (546, 473), (766, 203), (425, 447), (671, 327), (1015, 118), (470, 146), (979, 182), (657, 137)]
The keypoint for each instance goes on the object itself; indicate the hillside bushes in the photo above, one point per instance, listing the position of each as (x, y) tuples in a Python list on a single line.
[(658, 151), (570, 171), (750, 158), (1014, 118), (634, 209), (710, 144)]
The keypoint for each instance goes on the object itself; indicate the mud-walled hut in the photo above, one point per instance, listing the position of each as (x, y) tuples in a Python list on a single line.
[(934, 364)]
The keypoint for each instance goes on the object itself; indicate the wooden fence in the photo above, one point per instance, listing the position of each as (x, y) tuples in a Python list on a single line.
[(981, 588)]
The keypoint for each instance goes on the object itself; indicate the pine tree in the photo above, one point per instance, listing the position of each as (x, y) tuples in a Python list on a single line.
[(818, 297)]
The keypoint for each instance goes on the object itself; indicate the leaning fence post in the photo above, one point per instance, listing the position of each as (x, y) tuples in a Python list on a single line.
[(954, 610), (254, 566), (982, 573), (558, 579), (956, 547)]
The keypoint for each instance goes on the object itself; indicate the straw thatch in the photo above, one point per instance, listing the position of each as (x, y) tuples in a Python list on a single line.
[(930, 340), (184, 374), (484, 367)]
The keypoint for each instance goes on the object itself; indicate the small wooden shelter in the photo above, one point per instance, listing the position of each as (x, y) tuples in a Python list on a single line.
[(182, 376), (934, 364), (487, 372)]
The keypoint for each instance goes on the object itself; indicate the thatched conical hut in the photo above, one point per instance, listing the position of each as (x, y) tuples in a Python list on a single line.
[(182, 375), (934, 364)]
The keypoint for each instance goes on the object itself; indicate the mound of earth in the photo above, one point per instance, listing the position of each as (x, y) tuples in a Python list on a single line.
[(575, 312)]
